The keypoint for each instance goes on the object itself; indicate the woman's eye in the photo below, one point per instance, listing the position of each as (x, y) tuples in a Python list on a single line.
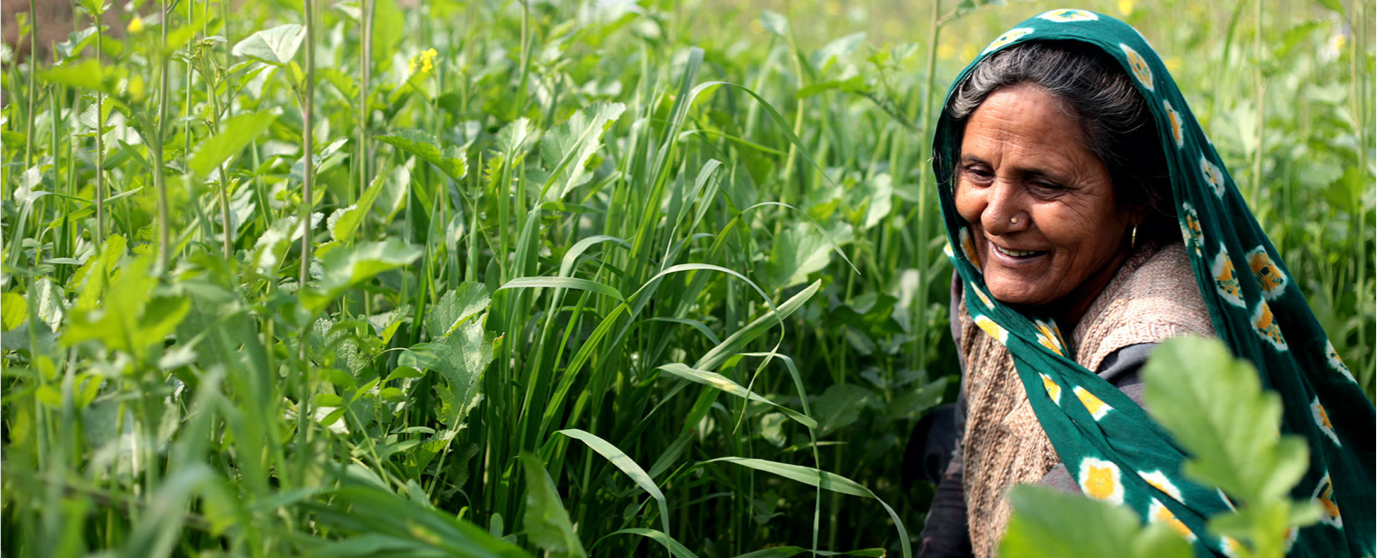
[(979, 174), (1046, 186)]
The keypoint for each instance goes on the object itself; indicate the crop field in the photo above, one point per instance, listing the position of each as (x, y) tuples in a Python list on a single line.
[(523, 278)]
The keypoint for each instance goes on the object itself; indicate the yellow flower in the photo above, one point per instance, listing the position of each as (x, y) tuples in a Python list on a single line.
[(136, 25), (428, 60), (1126, 7)]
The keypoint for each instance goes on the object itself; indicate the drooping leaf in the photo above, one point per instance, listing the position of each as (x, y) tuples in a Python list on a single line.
[(826, 481), (451, 160), (715, 380), (1224, 419), (1047, 522), (628, 466), (237, 133), (567, 148), (563, 283), (275, 46), (735, 342), (547, 522)]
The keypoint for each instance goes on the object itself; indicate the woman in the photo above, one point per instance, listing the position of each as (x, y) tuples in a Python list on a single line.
[(1093, 220)]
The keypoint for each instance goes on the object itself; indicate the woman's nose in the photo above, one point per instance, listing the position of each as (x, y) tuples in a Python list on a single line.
[(1005, 212)]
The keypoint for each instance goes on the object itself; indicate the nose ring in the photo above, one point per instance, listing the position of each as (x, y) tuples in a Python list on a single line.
[(1014, 220)]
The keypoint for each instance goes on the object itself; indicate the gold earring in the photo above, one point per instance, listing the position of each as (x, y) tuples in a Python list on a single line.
[(1133, 236), (1014, 220)]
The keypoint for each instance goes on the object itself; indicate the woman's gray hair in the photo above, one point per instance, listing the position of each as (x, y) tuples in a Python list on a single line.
[(1114, 117)]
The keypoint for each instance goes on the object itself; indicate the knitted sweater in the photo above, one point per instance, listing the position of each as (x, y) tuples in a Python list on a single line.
[(1152, 297)]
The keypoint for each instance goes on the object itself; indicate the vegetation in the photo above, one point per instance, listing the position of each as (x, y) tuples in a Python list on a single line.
[(605, 278)]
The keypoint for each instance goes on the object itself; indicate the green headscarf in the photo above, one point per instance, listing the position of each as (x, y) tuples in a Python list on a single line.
[(1118, 452)]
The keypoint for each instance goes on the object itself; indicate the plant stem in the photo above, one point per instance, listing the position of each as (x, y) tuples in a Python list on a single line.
[(156, 148), (33, 90), (100, 140), (308, 163)]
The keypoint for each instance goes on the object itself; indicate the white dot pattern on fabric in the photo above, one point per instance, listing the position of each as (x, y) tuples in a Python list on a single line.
[(1068, 16), (1139, 66)]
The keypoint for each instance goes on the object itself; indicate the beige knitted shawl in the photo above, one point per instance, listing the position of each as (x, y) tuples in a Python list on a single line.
[(1151, 298)]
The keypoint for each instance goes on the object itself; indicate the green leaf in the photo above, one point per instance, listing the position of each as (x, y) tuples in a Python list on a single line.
[(462, 358), (14, 310), (345, 267), (840, 406), (715, 380), (236, 133), (1047, 522), (563, 283), (455, 306), (452, 161), (275, 46), (76, 42), (343, 222), (1214, 406), (795, 253), (621, 461), (129, 319), (547, 522), (825, 480), (567, 148), (738, 340), (775, 23), (87, 74), (676, 549)]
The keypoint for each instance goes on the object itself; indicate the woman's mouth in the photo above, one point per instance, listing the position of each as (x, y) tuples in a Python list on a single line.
[(1015, 253)]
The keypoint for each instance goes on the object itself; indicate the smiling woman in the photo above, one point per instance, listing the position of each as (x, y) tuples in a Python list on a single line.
[(1085, 200)]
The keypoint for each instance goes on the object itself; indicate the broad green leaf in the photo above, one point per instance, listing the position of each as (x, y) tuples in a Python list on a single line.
[(275, 46), (76, 42), (1214, 405), (621, 461), (795, 253), (513, 137), (14, 310), (236, 133), (567, 148), (840, 406), (130, 318), (826, 481), (715, 380), (455, 306), (452, 160), (87, 74), (547, 523), (463, 356), (345, 267), (1047, 522)]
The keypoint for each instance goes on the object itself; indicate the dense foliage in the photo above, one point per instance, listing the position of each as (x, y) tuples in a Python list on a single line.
[(565, 277)]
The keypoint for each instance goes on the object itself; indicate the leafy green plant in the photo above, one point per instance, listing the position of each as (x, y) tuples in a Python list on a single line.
[(1215, 408)]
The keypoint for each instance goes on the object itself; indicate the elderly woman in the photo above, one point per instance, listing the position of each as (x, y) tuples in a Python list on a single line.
[(1092, 220)]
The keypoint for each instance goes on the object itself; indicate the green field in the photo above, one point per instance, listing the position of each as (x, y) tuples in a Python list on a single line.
[(615, 278)]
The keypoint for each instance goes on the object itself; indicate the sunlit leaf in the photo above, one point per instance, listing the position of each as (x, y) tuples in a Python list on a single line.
[(275, 46)]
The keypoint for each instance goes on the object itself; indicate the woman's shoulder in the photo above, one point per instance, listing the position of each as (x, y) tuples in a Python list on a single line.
[(1153, 297)]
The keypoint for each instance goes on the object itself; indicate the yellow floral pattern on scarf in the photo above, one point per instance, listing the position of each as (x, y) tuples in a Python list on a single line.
[(1068, 16), (1139, 66), (1266, 325), (1270, 279), (1226, 282), (1093, 404), (1100, 479)]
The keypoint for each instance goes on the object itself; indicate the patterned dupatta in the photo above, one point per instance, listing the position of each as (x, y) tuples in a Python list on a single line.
[(1110, 445)]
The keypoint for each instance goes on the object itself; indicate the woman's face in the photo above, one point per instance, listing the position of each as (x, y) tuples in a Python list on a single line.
[(1024, 158)]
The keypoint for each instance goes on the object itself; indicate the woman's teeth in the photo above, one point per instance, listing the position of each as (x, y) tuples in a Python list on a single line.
[(1015, 253)]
